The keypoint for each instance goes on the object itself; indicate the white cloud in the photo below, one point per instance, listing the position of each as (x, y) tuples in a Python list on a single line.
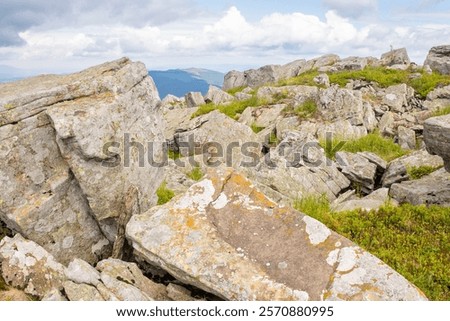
[(350, 8), (230, 39)]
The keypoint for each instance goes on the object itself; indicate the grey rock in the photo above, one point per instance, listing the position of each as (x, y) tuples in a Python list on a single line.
[(395, 57), (371, 202), (242, 96), (439, 59), (221, 133), (375, 159), (234, 79), (194, 99), (54, 295), (397, 170), (179, 293), (369, 119), (217, 96), (262, 116), (123, 291), (224, 237), (80, 271), (341, 104), (295, 94), (175, 178), (397, 97), (172, 102), (322, 80), (350, 63), (81, 292), (340, 130), (436, 133), (357, 169), (406, 138), (298, 167), (176, 119), (431, 189), (438, 98), (286, 125), (129, 273), (386, 124), (28, 266)]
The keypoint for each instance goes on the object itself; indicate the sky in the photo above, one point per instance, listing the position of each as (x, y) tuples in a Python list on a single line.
[(53, 36)]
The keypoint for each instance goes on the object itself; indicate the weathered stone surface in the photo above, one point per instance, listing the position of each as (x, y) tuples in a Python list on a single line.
[(234, 79), (395, 58), (341, 104), (375, 159), (406, 138), (81, 292), (54, 295), (220, 137), (436, 134), (298, 167), (357, 169), (14, 295), (438, 98), (439, 59), (322, 80), (217, 96), (172, 102), (176, 119), (175, 178), (397, 97), (262, 116), (431, 189), (178, 293), (296, 95), (80, 271), (224, 237), (123, 291), (372, 201), (397, 170), (386, 124), (65, 122), (28, 266), (194, 99), (129, 273), (340, 129), (350, 63)]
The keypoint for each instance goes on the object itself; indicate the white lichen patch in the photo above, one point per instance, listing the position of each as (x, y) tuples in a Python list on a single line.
[(333, 257), (282, 265), (199, 196), (347, 259), (317, 232), (220, 202)]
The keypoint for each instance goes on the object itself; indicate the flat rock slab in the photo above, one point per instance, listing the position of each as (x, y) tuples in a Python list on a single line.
[(227, 238)]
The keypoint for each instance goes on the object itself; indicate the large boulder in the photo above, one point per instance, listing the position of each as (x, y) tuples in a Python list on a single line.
[(217, 96), (224, 237), (395, 58), (431, 189), (439, 59), (436, 134), (70, 147), (358, 169)]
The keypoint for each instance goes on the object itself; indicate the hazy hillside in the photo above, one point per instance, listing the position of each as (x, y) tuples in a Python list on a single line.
[(178, 82)]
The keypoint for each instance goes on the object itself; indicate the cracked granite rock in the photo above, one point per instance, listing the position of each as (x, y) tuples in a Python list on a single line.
[(225, 237), (60, 185)]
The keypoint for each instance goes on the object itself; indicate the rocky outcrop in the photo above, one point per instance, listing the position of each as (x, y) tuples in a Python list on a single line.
[(194, 99), (217, 96), (358, 169), (27, 266), (439, 59), (224, 237), (433, 189), (67, 155), (397, 59), (437, 137)]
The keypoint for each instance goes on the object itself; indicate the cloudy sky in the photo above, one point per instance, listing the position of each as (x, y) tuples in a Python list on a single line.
[(48, 36)]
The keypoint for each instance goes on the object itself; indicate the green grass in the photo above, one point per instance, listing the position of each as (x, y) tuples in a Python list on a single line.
[(164, 194), (195, 174), (388, 77), (413, 240), (231, 109), (373, 142), (307, 109), (306, 79), (173, 155), (257, 129), (235, 90), (442, 111), (421, 171)]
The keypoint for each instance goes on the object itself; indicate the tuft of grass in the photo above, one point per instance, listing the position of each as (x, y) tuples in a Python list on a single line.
[(173, 154), (257, 129), (231, 109), (307, 109), (306, 79), (195, 174), (421, 171), (427, 83), (273, 139), (3, 285), (373, 142), (413, 240), (235, 90), (442, 112), (164, 194)]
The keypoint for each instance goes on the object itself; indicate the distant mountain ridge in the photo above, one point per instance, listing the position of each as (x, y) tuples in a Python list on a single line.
[(178, 82)]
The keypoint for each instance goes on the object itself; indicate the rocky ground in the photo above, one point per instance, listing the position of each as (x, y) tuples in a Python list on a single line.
[(109, 193)]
